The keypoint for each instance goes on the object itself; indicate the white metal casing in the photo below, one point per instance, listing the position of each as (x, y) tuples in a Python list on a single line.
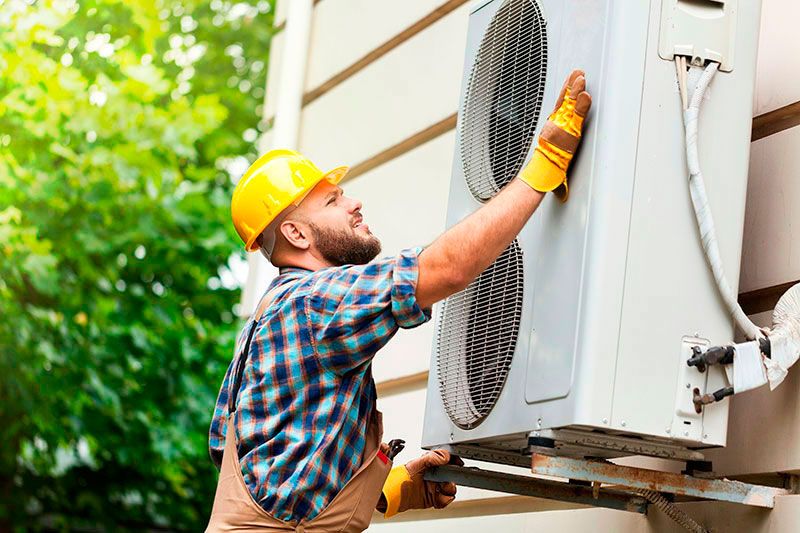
[(616, 287)]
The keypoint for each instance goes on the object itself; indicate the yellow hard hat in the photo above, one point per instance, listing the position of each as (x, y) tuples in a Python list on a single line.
[(275, 181)]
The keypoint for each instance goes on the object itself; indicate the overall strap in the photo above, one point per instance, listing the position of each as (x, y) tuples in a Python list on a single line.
[(241, 361)]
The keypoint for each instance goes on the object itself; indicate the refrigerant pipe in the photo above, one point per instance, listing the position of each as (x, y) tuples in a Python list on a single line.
[(763, 359)]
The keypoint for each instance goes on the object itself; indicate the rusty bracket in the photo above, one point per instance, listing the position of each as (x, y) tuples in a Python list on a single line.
[(592, 494), (628, 477)]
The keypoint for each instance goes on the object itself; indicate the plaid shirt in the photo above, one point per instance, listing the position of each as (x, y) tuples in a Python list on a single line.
[(307, 391)]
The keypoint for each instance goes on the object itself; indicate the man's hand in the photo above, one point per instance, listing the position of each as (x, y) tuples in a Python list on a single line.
[(547, 170), (406, 489)]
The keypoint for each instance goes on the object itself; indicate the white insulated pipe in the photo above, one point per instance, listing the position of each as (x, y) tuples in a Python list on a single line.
[(286, 126)]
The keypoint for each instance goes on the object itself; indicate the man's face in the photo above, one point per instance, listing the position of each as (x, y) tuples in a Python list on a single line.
[(337, 228)]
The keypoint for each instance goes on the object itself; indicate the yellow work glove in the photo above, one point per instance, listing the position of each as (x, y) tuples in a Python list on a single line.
[(406, 489), (547, 169)]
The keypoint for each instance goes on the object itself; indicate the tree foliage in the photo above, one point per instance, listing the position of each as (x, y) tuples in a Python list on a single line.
[(119, 124)]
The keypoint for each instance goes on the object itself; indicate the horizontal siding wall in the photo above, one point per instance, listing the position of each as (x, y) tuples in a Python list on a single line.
[(412, 87), (346, 31), (778, 68), (771, 247)]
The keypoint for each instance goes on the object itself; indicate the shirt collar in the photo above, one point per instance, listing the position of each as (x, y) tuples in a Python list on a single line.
[(290, 270)]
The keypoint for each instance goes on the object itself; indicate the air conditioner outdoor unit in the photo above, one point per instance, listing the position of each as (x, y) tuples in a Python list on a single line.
[(577, 337)]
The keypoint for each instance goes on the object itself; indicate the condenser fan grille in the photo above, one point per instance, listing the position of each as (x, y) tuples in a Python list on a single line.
[(503, 98), (476, 339)]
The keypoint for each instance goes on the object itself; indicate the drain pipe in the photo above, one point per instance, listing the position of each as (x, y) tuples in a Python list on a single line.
[(289, 103)]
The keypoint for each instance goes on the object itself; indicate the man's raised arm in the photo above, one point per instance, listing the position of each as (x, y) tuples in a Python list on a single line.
[(461, 253)]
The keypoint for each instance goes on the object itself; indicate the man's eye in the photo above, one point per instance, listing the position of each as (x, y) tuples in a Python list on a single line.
[(330, 201)]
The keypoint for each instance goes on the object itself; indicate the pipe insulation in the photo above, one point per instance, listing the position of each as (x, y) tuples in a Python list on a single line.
[(750, 368), (702, 210), (784, 336)]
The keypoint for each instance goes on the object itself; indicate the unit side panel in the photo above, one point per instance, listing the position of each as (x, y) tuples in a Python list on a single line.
[(669, 291)]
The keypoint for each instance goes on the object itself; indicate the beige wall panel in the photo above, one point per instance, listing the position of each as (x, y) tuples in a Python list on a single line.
[(409, 352), (346, 30), (778, 69), (275, 57), (404, 203), (579, 520), (407, 90), (771, 245)]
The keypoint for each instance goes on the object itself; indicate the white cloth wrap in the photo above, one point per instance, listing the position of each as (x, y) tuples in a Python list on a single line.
[(785, 337), (748, 367)]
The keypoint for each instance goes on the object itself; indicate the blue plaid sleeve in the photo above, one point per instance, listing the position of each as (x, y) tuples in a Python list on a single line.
[(216, 433), (355, 310)]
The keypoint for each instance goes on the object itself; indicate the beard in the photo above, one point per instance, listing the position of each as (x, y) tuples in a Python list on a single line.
[(342, 247)]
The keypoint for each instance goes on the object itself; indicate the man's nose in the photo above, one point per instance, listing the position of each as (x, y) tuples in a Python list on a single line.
[(355, 205)]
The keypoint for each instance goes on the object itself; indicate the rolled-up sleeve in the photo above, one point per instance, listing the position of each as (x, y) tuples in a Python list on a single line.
[(354, 310), (405, 274)]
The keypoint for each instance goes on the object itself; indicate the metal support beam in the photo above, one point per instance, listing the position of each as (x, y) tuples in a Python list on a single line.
[(639, 478), (538, 488)]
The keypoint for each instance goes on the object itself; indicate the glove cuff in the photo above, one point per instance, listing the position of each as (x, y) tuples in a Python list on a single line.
[(392, 489), (542, 174)]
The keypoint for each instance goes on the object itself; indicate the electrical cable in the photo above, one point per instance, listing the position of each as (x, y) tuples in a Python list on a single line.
[(671, 510)]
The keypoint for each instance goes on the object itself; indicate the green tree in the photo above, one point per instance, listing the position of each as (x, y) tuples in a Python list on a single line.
[(119, 124)]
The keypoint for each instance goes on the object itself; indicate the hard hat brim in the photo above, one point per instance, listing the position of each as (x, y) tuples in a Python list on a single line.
[(336, 175), (333, 176)]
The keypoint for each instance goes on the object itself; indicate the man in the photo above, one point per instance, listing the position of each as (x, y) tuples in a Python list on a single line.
[(295, 429)]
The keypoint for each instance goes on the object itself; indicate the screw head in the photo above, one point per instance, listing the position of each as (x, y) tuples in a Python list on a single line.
[(452, 437), (688, 385), (622, 423), (705, 435), (539, 423), (685, 433), (605, 421), (668, 431)]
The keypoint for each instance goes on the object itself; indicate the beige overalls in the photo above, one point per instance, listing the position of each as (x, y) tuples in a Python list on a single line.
[(350, 511)]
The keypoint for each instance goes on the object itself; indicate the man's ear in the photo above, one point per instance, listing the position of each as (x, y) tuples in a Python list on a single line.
[(296, 234)]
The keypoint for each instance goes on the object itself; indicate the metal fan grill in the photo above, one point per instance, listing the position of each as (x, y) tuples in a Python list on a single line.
[(503, 98), (477, 335)]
